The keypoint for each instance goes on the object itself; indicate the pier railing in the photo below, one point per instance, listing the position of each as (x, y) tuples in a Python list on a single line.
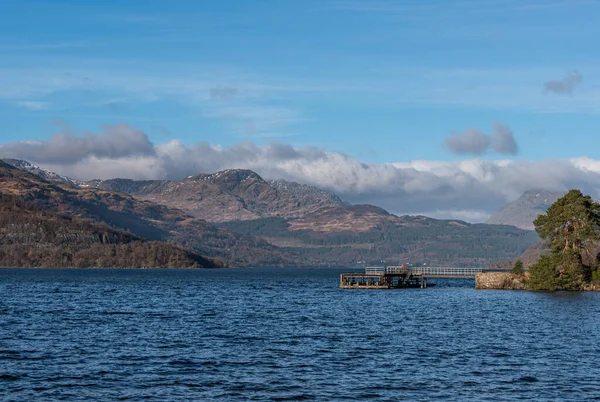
[(447, 272), (432, 272), (401, 269), (375, 270)]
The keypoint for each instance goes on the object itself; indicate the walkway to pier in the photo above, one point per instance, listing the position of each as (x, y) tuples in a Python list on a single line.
[(430, 272), (447, 272), (402, 276)]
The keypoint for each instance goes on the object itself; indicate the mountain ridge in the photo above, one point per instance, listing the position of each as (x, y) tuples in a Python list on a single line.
[(232, 194), (523, 211)]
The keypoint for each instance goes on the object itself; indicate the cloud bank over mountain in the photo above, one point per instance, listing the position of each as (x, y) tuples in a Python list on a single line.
[(469, 189)]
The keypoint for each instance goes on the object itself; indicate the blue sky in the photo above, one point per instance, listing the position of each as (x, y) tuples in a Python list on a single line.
[(382, 81), (420, 98)]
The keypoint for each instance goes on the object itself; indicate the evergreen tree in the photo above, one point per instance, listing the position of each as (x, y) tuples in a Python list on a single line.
[(571, 223), (543, 274), (571, 226), (518, 268)]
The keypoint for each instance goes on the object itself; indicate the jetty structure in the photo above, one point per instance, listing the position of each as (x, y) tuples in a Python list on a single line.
[(390, 277)]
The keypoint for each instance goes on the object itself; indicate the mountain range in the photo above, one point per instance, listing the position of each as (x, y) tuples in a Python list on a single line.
[(237, 216)]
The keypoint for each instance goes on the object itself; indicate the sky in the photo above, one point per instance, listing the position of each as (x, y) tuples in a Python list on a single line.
[(443, 108)]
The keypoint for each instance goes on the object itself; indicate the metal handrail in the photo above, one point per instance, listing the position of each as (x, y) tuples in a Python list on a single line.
[(375, 270)]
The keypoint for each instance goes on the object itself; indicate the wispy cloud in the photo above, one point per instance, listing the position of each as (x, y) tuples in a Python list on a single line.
[(489, 88), (247, 104), (266, 105), (33, 105), (546, 5), (142, 18), (222, 93), (45, 46), (473, 6), (250, 120), (132, 18)]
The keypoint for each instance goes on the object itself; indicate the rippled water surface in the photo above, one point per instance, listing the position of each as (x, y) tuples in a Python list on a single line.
[(287, 334)]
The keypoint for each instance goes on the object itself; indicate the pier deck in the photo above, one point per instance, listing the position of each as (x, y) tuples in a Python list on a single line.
[(393, 277)]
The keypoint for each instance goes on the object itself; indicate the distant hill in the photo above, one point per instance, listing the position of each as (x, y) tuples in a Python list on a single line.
[(523, 211), (234, 194), (144, 219), (31, 237), (364, 234)]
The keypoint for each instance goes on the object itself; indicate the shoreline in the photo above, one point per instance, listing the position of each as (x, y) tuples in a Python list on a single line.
[(510, 281)]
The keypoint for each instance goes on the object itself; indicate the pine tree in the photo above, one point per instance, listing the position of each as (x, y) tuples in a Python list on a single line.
[(571, 227), (518, 267)]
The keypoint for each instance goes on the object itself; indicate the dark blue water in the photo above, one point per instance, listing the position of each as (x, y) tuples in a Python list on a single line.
[(268, 334)]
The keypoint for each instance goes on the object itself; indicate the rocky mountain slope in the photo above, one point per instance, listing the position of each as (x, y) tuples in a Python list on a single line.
[(43, 173), (522, 212), (228, 195), (143, 219)]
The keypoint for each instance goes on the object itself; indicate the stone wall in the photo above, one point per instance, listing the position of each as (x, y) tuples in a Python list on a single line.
[(499, 280)]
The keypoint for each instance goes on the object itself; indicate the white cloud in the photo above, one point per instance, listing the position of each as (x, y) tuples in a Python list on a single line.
[(471, 188)]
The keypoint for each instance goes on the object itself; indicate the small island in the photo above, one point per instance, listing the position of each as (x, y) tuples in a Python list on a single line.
[(570, 230)]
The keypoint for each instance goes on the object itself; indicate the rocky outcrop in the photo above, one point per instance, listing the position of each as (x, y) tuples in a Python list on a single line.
[(591, 287), (500, 280), (510, 281)]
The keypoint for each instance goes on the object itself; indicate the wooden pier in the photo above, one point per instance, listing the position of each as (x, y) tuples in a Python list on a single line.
[(392, 277)]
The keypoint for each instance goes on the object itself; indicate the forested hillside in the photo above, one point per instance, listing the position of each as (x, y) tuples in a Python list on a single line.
[(30, 237), (144, 219), (414, 239)]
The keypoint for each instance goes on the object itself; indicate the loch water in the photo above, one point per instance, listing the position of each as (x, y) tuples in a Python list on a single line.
[(287, 334)]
